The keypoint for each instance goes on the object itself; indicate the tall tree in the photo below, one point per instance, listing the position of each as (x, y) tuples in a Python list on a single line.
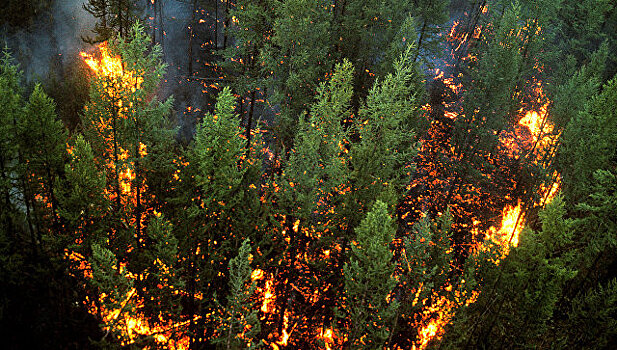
[(239, 325), (83, 203), (10, 102), (524, 291), (369, 281), (222, 205), (124, 121), (252, 31), (380, 161), (42, 143), (298, 57)]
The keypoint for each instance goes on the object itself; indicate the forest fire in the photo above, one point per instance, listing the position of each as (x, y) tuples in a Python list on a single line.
[(534, 141), (375, 175)]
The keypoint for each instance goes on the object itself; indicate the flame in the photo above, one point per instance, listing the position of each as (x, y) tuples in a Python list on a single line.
[(267, 305), (327, 336), (126, 176), (257, 274), (110, 66), (143, 150), (438, 314)]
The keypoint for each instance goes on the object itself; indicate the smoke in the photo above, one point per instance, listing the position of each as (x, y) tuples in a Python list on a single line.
[(53, 39)]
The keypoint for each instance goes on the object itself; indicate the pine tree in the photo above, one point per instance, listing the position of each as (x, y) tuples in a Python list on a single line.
[(369, 281), (162, 277), (10, 103), (116, 292), (252, 31), (430, 15), (114, 16), (239, 326), (125, 125), (595, 231), (222, 203), (523, 293), (587, 143), (42, 141), (317, 165), (83, 203), (218, 152), (298, 58), (591, 321), (381, 160), (366, 32), (100, 9)]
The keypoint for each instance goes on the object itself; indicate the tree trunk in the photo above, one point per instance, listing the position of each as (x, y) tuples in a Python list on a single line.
[(190, 48), (216, 24), (250, 120), (225, 24)]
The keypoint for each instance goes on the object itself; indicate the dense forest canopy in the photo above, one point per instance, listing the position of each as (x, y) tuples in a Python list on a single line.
[(308, 174)]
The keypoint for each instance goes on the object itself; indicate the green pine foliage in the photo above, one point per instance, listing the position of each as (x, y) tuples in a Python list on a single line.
[(592, 321), (369, 281), (239, 325), (520, 297), (381, 161), (588, 143), (114, 17), (83, 203), (218, 150), (317, 165), (10, 102)]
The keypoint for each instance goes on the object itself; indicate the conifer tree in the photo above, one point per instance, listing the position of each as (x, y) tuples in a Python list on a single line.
[(125, 123), (252, 31), (114, 17), (42, 142), (381, 160), (298, 58), (239, 325), (222, 203), (109, 281), (365, 33), (588, 143), (592, 322), (429, 15), (160, 263), (596, 231), (523, 292), (369, 281), (10, 103), (316, 165), (83, 203)]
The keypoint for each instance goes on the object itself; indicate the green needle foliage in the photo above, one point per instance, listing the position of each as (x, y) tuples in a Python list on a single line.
[(369, 281), (239, 326)]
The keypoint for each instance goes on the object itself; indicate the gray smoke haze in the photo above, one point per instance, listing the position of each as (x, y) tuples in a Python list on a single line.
[(54, 38)]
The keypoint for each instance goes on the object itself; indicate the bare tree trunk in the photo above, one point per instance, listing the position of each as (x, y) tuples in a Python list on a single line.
[(225, 23), (154, 7), (250, 120), (191, 26), (216, 24), (120, 20), (161, 31)]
